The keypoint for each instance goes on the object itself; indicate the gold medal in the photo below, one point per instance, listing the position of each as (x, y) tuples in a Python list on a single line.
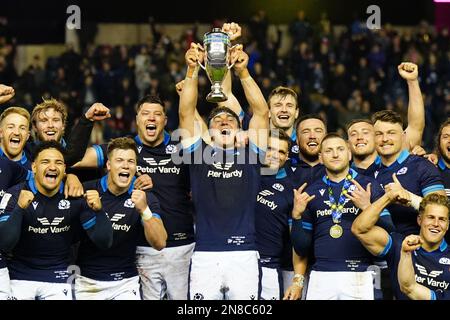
[(336, 231)]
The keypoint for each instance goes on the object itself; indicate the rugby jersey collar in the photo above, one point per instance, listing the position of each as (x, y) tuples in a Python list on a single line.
[(23, 160), (165, 141), (33, 188), (442, 165), (104, 184)]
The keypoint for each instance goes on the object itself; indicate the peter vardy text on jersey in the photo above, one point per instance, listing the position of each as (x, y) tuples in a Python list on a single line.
[(162, 170), (45, 230), (225, 175)]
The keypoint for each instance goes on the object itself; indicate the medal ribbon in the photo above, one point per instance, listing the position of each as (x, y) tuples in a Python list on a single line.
[(336, 209)]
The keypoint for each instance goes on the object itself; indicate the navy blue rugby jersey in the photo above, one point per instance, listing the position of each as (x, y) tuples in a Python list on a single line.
[(417, 175), (170, 185), (432, 269), (302, 172), (370, 171), (25, 160), (46, 231), (273, 211), (119, 261), (225, 184), (11, 174), (345, 253)]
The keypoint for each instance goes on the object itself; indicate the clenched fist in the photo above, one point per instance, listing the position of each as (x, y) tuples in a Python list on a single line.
[(25, 198), (194, 55), (6, 93), (139, 199), (93, 200), (408, 71), (232, 29), (97, 112)]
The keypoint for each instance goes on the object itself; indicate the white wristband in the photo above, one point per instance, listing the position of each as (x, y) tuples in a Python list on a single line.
[(147, 214), (415, 201)]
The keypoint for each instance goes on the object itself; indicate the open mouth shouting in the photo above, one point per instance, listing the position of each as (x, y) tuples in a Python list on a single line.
[(124, 177), (50, 177), (225, 132), (312, 144), (151, 129), (283, 117), (14, 142)]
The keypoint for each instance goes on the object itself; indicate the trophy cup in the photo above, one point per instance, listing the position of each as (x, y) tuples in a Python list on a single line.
[(216, 44)]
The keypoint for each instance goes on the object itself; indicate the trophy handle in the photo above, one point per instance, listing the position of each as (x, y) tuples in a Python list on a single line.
[(232, 65), (201, 65)]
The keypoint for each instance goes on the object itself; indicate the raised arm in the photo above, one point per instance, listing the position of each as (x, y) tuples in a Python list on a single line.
[(416, 110), (190, 128), (154, 230), (79, 138), (259, 123), (372, 237), (90, 159), (406, 275)]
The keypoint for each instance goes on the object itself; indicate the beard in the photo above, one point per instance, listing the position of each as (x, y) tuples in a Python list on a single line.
[(443, 154), (310, 157)]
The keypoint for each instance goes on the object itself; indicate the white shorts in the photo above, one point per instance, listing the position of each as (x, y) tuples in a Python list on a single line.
[(271, 284), (164, 273), (5, 288), (37, 290), (345, 285), (90, 289), (224, 275)]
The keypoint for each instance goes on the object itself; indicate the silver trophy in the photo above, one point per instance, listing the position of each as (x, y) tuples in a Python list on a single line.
[(217, 57)]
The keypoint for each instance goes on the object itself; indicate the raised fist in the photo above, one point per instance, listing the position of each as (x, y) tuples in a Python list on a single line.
[(25, 198), (408, 71)]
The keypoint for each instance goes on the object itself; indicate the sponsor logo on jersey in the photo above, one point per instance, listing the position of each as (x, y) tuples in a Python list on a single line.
[(34, 204), (153, 162), (117, 217), (375, 174), (327, 212), (119, 227), (444, 260), (139, 148), (266, 193), (278, 186), (223, 166), (56, 221), (423, 271), (260, 198), (429, 277), (158, 167), (322, 191), (64, 205), (49, 226)]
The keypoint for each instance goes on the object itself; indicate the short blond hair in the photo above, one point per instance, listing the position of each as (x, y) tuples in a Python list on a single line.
[(46, 104), (17, 110)]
